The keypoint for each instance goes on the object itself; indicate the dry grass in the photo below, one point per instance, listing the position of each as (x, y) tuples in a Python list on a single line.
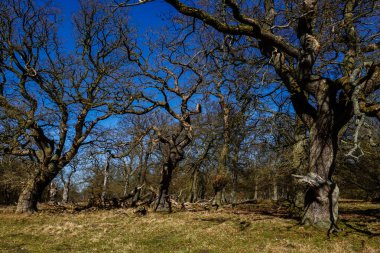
[(215, 231)]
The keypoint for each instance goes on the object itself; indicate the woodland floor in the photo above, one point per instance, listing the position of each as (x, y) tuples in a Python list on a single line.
[(254, 228)]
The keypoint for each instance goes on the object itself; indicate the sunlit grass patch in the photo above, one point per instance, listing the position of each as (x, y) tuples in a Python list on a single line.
[(227, 230)]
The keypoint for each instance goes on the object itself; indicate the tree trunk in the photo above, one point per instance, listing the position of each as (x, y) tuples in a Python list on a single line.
[(53, 194), (274, 179), (105, 179), (127, 177), (66, 192), (234, 174), (32, 191), (218, 198), (67, 182), (163, 200), (255, 197), (141, 176), (299, 166), (221, 180), (27, 202), (194, 186), (321, 202), (275, 190), (219, 185)]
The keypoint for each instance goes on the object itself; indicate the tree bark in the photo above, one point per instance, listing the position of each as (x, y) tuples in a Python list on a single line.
[(32, 191), (275, 190), (67, 183), (194, 191), (105, 179), (255, 196), (221, 180), (141, 175), (198, 189), (234, 186), (66, 192), (127, 178), (321, 202), (234, 171), (163, 200), (52, 193)]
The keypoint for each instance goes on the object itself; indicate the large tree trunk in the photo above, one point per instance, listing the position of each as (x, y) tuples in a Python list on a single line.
[(299, 166), (27, 201), (32, 191), (163, 200), (321, 200)]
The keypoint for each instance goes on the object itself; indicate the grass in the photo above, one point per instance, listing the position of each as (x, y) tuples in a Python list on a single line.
[(249, 229)]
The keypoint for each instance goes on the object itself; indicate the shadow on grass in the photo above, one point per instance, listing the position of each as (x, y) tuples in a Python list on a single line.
[(276, 210), (367, 212), (359, 230), (217, 220), (13, 248)]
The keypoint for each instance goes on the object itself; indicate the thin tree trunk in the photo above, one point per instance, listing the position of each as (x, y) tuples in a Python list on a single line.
[(142, 174), (67, 182), (66, 191), (52, 194), (127, 177), (221, 181), (234, 174), (163, 200), (234, 189), (105, 179), (275, 189), (255, 191), (194, 191), (224, 198)]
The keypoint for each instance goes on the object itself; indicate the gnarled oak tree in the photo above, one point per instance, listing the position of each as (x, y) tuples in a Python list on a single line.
[(54, 99), (326, 55)]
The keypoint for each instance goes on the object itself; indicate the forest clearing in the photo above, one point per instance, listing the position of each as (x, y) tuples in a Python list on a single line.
[(189, 126), (262, 227)]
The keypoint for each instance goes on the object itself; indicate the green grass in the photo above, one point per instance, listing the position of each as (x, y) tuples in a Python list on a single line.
[(229, 230)]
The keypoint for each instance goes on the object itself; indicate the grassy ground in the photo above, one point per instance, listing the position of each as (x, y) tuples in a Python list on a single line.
[(257, 228)]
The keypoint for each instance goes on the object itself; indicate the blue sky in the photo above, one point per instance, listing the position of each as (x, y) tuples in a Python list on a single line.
[(146, 17)]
